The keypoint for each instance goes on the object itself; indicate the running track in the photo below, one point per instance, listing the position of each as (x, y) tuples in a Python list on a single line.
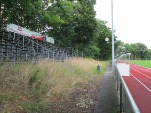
[(139, 84)]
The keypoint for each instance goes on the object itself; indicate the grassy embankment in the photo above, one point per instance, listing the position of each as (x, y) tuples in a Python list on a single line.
[(145, 63), (50, 87)]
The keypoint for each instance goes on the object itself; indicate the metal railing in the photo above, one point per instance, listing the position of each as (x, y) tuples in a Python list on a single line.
[(126, 101), (15, 48)]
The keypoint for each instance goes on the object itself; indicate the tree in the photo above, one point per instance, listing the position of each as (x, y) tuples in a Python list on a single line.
[(71, 23), (148, 54), (141, 50), (137, 50), (104, 32), (24, 13), (77, 23)]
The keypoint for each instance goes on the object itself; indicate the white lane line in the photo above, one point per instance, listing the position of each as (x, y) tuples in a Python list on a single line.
[(141, 73), (141, 83), (144, 68)]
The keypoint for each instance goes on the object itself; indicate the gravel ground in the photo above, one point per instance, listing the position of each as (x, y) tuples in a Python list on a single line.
[(107, 100)]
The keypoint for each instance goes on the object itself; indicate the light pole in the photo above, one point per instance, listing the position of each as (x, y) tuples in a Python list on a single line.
[(113, 62), (107, 40)]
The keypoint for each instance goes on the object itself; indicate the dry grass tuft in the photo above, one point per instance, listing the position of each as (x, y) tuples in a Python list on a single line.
[(49, 86)]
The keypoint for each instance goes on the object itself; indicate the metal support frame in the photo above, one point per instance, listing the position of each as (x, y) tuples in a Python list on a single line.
[(15, 48)]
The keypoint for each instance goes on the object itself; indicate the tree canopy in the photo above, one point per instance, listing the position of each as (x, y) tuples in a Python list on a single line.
[(71, 23), (138, 50)]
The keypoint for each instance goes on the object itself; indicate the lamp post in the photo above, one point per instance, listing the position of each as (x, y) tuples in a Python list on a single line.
[(107, 40), (113, 62)]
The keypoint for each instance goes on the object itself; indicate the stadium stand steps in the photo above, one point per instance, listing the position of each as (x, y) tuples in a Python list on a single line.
[(15, 47)]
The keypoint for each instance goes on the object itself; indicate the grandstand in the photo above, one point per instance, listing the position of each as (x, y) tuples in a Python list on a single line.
[(15, 47)]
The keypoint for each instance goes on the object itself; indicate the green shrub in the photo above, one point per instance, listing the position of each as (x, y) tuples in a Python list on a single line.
[(33, 77), (36, 107)]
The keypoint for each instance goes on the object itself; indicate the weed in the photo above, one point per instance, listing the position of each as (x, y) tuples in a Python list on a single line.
[(50, 83), (36, 107), (3, 97), (84, 103), (115, 111), (33, 77)]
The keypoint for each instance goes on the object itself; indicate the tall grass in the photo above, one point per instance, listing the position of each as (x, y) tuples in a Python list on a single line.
[(47, 86)]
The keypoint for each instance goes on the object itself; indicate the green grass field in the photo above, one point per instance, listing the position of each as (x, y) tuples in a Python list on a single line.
[(145, 63)]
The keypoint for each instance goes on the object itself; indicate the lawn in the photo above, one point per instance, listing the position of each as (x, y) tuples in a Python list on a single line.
[(145, 63)]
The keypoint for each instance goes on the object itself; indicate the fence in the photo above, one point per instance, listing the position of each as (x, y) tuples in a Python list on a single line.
[(126, 101)]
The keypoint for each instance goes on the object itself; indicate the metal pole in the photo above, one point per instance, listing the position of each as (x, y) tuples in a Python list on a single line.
[(48, 54), (113, 62), (53, 55)]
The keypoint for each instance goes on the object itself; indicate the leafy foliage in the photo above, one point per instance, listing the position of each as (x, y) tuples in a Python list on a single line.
[(138, 50), (36, 107), (33, 78), (104, 32), (71, 23)]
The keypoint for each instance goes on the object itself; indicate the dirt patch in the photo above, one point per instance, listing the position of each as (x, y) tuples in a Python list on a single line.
[(81, 100)]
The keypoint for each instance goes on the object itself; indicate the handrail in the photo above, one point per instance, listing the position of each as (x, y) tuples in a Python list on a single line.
[(16, 47), (126, 106)]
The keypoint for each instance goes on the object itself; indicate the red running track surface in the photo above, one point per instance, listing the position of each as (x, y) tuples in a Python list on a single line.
[(139, 84)]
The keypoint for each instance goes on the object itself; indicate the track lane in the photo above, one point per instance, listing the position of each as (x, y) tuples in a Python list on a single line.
[(143, 73), (143, 69), (141, 77), (139, 84)]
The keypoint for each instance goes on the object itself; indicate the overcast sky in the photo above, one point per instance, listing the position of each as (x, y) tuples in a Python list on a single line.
[(132, 19)]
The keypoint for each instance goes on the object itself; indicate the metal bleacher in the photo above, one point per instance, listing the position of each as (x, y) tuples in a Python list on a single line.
[(15, 47)]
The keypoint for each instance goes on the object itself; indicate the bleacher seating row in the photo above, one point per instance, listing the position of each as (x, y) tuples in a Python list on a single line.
[(15, 47)]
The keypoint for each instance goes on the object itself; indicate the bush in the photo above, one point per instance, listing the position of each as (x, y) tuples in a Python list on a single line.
[(33, 77), (35, 107)]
